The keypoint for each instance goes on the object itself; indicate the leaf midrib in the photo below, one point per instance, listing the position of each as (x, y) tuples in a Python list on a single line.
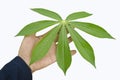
[(80, 44)]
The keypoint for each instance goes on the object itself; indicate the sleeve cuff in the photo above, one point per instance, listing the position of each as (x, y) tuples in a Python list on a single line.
[(24, 68), (17, 69)]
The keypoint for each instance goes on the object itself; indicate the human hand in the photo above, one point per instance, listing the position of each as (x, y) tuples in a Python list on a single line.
[(28, 44)]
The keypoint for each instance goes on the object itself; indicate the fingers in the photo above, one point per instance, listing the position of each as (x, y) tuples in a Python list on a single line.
[(73, 52), (42, 35), (46, 61), (38, 38), (56, 40), (69, 39)]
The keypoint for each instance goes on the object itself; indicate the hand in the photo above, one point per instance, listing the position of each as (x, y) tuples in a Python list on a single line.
[(28, 44)]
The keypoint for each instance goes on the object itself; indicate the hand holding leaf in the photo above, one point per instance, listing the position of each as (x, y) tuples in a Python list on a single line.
[(63, 56), (27, 46)]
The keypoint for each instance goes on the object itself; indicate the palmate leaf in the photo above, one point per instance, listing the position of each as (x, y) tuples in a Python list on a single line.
[(78, 15), (63, 54), (47, 13), (92, 29), (41, 49), (35, 27), (83, 46)]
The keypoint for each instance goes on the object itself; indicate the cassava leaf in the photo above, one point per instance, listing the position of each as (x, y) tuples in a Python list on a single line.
[(63, 54), (92, 29), (83, 46), (78, 15), (63, 51), (35, 27), (42, 47), (47, 13)]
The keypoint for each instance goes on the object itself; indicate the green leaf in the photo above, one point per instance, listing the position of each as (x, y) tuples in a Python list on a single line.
[(92, 29), (78, 15), (63, 51), (35, 27), (83, 46), (47, 13), (43, 46)]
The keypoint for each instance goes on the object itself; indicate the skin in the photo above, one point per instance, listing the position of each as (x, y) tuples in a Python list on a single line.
[(28, 44)]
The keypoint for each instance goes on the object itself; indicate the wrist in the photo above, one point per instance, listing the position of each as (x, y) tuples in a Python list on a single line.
[(33, 69), (24, 59)]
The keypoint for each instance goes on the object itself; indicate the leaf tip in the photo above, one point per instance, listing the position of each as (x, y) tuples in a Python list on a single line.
[(94, 66), (90, 14), (32, 9), (31, 62), (17, 35), (112, 37), (93, 63), (65, 71)]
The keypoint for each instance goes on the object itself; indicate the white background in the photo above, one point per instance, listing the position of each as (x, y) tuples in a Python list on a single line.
[(15, 14)]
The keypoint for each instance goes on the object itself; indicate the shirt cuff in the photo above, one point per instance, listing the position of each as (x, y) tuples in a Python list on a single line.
[(16, 69), (23, 67)]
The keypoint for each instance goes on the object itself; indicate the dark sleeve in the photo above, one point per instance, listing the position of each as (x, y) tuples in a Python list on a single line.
[(17, 69)]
